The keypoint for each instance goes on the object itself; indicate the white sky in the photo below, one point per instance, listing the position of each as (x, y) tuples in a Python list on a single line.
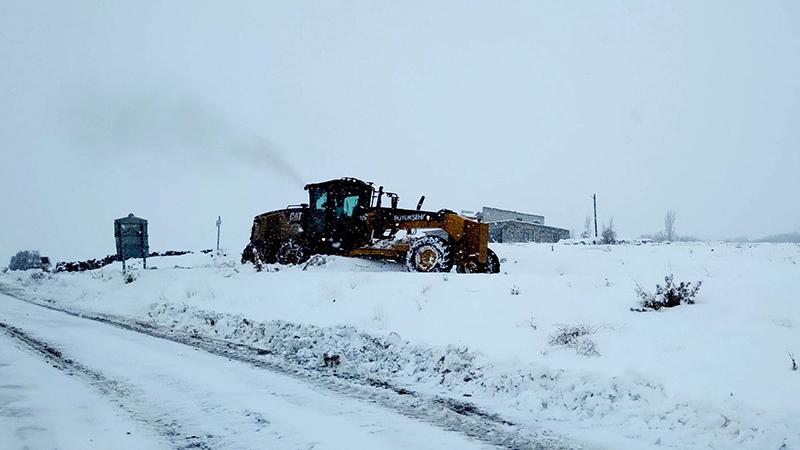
[(179, 111)]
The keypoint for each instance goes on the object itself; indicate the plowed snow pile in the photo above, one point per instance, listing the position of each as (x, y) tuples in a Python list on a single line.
[(550, 342)]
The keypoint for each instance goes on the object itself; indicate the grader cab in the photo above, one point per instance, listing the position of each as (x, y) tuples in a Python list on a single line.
[(348, 217)]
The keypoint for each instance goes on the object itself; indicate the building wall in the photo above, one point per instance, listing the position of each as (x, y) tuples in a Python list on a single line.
[(514, 231), (498, 215)]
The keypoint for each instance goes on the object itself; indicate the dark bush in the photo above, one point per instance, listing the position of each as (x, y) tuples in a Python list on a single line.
[(25, 259), (608, 235), (92, 264), (89, 264), (667, 296), (170, 253)]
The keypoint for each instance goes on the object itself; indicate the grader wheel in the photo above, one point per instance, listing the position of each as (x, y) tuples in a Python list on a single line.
[(429, 254), (470, 266), (291, 251), (258, 253)]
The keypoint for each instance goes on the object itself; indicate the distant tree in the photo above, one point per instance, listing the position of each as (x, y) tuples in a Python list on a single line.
[(783, 237), (669, 225), (609, 236), (587, 228), (24, 260)]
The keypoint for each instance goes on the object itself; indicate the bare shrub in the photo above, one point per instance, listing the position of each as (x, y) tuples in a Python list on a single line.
[(587, 228), (667, 296), (575, 337), (331, 360), (377, 313), (609, 236), (39, 275), (532, 322)]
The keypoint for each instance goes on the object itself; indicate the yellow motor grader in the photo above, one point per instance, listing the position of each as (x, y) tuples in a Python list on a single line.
[(347, 217)]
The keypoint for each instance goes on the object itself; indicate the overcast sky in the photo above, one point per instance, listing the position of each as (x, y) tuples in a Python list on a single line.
[(181, 111)]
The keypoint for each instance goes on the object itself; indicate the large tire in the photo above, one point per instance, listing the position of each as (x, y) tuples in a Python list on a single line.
[(492, 262), (248, 254), (258, 253), (492, 265), (429, 254), (291, 251), (266, 253)]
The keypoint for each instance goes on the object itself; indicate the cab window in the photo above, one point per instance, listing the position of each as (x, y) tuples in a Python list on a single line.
[(349, 205), (322, 201)]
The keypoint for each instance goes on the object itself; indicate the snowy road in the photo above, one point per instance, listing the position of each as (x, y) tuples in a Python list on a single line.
[(104, 382), (41, 407)]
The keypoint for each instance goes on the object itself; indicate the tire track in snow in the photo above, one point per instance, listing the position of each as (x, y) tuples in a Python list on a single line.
[(448, 413), (123, 396)]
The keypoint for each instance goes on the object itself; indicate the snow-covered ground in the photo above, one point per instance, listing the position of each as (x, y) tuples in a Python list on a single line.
[(716, 374)]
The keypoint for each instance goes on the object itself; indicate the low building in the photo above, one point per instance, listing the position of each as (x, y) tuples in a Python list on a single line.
[(513, 226), (513, 231)]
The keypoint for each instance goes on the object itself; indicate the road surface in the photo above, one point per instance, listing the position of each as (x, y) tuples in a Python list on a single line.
[(68, 382)]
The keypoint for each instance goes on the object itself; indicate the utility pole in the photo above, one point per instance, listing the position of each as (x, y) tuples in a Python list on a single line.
[(219, 223), (594, 199)]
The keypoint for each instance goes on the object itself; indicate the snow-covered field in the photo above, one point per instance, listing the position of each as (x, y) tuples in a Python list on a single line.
[(715, 374)]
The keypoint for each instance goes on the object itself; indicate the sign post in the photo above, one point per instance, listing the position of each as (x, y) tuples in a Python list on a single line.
[(219, 223), (131, 238)]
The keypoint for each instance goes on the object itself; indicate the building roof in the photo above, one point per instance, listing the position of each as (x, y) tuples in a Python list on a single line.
[(521, 218)]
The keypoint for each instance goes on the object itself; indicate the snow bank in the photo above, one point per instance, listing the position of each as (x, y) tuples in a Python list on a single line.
[(547, 394)]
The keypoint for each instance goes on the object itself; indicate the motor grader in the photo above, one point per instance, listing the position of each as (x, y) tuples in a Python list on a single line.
[(347, 217)]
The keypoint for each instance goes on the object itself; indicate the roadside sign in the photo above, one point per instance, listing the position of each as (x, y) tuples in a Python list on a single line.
[(131, 238)]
